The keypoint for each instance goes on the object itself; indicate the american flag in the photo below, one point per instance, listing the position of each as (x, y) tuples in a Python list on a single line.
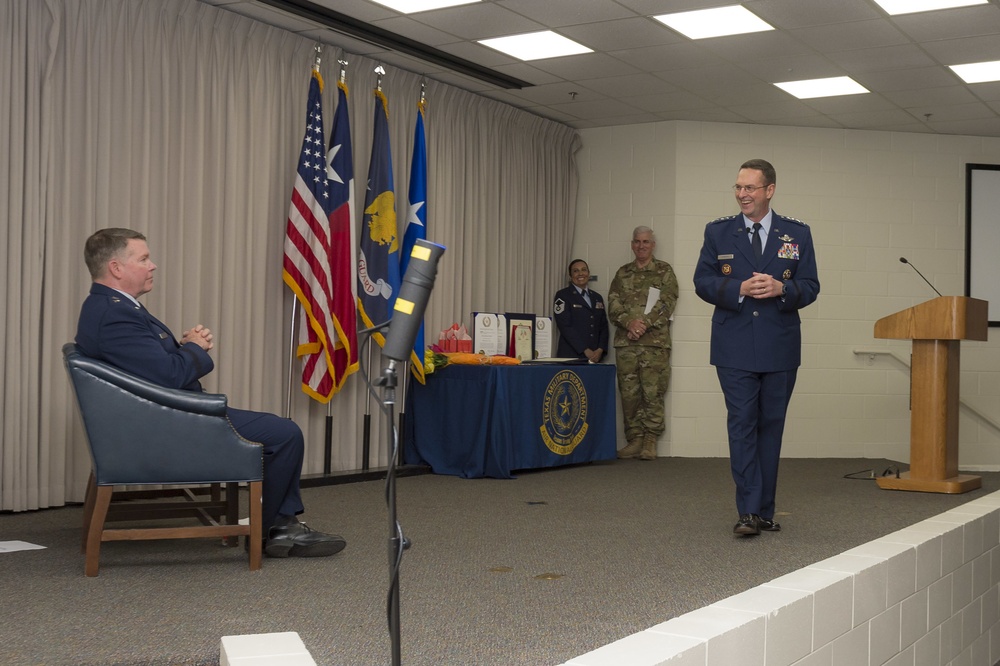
[(308, 243)]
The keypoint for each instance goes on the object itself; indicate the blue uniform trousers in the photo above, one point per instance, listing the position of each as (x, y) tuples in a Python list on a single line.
[(284, 448), (757, 403)]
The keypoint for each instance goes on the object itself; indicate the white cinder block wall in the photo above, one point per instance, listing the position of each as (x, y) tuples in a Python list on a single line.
[(927, 595), (870, 197)]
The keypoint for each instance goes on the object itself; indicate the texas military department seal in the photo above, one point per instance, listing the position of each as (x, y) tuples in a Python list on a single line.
[(564, 413)]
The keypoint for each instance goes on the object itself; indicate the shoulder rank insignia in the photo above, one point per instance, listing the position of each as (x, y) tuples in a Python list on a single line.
[(560, 306)]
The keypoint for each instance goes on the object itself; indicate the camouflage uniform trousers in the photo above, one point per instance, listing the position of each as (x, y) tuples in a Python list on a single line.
[(643, 376)]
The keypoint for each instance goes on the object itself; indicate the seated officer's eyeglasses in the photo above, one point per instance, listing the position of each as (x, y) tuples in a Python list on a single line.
[(749, 189)]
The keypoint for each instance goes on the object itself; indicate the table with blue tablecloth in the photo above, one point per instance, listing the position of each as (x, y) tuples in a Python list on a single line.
[(489, 420)]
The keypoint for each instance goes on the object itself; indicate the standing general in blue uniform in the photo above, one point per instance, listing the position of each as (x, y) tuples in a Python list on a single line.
[(758, 269), (580, 317), (114, 327)]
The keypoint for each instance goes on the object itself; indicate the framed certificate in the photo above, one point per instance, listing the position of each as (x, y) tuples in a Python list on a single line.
[(543, 337), (521, 336), (489, 333)]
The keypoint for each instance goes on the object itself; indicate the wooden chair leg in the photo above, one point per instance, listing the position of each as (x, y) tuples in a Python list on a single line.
[(256, 536), (88, 510), (232, 510), (102, 500)]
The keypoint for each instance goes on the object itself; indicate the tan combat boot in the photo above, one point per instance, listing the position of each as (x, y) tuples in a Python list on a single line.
[(648, 448), (631, 450)]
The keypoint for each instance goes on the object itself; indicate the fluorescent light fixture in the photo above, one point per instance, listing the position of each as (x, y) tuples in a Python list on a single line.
[(718, 22), (413, 6), (536, 45), (832, 87), (896, 7), (978, 72)]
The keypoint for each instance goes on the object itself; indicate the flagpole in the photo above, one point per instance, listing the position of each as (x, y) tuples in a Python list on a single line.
[(366, 446), (291, 358), (328, 441)]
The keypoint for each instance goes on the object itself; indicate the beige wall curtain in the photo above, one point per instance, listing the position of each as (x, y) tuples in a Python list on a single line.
[(184, 121)]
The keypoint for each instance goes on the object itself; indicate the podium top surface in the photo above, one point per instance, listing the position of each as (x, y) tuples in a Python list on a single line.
[(942, 318)]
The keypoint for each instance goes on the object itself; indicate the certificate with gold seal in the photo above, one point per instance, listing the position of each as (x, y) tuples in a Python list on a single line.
[(521, 336)]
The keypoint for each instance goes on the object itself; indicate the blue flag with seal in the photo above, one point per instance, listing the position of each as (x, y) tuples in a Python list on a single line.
[(416, 226), (378, 257)]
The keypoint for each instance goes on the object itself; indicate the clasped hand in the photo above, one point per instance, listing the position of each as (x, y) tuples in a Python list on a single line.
[(199, 335), (760, 285), (636, 329)]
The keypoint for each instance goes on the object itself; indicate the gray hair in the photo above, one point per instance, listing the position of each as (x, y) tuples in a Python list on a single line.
[(642, 229)]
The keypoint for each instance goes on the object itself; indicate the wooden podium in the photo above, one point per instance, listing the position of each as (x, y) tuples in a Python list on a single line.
[(936, 328)]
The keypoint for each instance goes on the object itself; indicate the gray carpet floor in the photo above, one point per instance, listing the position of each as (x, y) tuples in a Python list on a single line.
[(523, 572)]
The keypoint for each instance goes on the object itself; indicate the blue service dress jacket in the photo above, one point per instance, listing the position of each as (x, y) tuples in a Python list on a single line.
[(115, 329), (756, 335), (581, 326)]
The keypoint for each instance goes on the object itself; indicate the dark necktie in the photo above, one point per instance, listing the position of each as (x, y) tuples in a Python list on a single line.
[(755, 243)]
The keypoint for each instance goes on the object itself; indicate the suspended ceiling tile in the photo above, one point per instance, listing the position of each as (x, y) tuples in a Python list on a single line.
[(622, 35), (558, 13)]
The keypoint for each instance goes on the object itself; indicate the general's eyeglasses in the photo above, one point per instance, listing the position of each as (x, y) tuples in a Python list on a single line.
[(749, 189)]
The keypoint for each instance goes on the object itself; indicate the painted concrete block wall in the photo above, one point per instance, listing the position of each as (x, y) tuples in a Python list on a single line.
[(927, 595), (870, 197)]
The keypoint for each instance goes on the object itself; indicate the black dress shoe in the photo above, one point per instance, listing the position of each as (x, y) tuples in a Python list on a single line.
[(298, 540), (768, 525), (748, 525)]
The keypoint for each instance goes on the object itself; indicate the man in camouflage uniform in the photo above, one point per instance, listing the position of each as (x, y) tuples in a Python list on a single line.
[(642, 342)]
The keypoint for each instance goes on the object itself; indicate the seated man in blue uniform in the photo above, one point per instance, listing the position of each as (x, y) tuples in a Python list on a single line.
[(115, 328), (580, 317)]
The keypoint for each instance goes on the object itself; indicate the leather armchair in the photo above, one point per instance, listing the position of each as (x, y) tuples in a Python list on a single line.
[(143, 434)]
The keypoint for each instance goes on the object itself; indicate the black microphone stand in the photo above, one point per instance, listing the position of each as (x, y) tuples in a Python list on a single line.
[(409, 307), (397, 542)]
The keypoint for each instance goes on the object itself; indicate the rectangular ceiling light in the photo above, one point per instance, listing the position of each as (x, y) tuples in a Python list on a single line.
[(896, 7), (536, 45), (718, 22), (978, 72), (832, 87), (413, 6)]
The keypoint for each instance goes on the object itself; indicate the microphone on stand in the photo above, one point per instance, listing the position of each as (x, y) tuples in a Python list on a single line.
[(414, 292), (904, 261)]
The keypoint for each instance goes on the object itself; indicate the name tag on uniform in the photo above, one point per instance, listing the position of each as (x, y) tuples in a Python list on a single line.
[(723, 257)]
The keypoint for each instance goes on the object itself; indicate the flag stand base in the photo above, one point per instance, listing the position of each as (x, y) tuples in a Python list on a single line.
[(359, 475)]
